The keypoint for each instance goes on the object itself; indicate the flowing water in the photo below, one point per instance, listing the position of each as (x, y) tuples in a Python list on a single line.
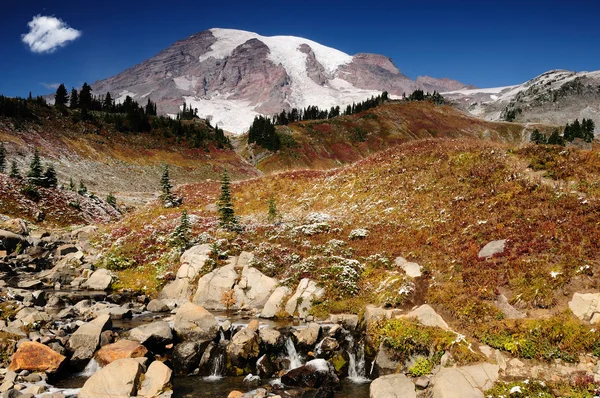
[(216, 368), (292, 354), (356, 367)]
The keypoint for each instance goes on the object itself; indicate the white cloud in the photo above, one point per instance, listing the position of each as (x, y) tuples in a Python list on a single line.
[(51, 85), (46, 34)]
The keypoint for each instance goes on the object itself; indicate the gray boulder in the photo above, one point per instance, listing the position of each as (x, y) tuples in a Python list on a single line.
[(156, 334), (156, 380), (193, 322), (308, 336), (243, 347), (301, 301), (119, 379), (85, 340), (392, 386), (465, 382), (100, 280), (492, 248), (275, 302)]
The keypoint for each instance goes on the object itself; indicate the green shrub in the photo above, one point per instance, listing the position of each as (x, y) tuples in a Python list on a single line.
[(116, 262), (422, 367)]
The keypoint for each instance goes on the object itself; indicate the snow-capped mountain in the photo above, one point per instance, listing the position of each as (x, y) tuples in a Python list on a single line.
[(554, 97), (232, 75)]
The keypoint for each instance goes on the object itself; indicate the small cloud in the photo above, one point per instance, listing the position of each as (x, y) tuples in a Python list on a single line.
[(46, 34), (49, 86)]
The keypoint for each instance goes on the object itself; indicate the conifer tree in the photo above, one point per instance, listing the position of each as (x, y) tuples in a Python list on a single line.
[(556, 139), (111, 200), (2, 157), (14, 170), (107, 105), (166, 187), (227, 217), (61, 97), (181, 235), (71, 184), (74, 102), (50, 179), (82, 188), (85, 96), (35, 169), (272, 213)]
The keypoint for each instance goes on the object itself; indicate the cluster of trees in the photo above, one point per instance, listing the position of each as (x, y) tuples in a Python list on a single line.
[(263, 133), (583, 130), (19, 108), (313, 112), (420, 95), (187, 113)]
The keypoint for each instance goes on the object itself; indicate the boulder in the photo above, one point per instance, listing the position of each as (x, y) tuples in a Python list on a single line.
[(119, 379), (428, 317), (16, 226), (100, 280), (275, 302), (9, 241), (157, 305), (585, 305), (154, 335), (192, 261), (212, 286), (36, 357), (176, 291), (374, 314), (349, 321), (301, 301), (65, 249), (386, 362), (507, 309), (328, 344), (392, 386), (29, 316), (465, 382), (410, 269), (193, 322), (85, 340), (492, 248), (156, 380), (119, 350), (272, 339), (243, 347), (84, 233), (308, 336), (187, 355), (253, 288), (315, 374)]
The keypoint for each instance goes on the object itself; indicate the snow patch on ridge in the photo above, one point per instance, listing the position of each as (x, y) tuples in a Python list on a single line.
[(233, 116)]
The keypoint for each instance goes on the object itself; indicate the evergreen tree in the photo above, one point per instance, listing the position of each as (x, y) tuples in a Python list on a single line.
[(181, 235), (71, 185), (227, 217), (272, 213), (14, 170), (2, 157), (61, 97), (74, 103), (50, 179), (165, 184), (556, 139), (111, 200), (107, 105), (35, 169), (264, 134), (85, 97), (538, 137), (82, 188)]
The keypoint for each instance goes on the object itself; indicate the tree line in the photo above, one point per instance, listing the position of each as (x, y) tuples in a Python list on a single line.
[(583, 130)]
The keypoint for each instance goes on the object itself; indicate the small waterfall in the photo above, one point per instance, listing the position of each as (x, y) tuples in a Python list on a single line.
[(293, 356), (216, 369), (91, 368), (356, 367)]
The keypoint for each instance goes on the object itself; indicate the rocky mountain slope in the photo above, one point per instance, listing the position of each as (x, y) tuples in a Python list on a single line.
[(233, 75), (555, 97), (324, 144)]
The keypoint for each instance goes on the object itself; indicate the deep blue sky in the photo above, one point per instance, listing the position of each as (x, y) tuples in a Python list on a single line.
[(486, 43)]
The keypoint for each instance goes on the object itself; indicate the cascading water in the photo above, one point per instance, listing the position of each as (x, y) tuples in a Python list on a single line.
[(216, 369), (356, 366), (292, 354), (91, 368)]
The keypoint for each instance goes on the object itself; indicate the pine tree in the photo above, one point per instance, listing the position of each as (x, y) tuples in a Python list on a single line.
[(538, 137), (181, 235), (50, 179), (111, 200), (556, 139), (14, 170), (82, 188), (74, 103), (165, 183), (61, 97), (85, 96), (71, 184), (227, 217), (2, 157), (35, 169), (272, 213), (107, 105)]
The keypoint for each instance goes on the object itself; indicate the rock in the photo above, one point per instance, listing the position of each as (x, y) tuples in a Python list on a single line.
[(385, 361), (254, 288), (410, 269), (192, 261), (36, 357), (349, 321), (100, 280), (84, 233), (329, 344), (9, 241), (373, 314), (154, 335), (157, 305), (271, 338), (492, 248), (428, 317), (465, 382), (30, 316), (212, 286), (585, 305), (243, 347), (235, 393), (264, 367), (121, 349), (392, 386), (156, 380), (306, 292), (253, 325), (16, 226), (275, 302), (308, 336), (119, 379), (114, 312), (31, 284), (193, 322), (63, 250), (251, 380), (187, 355), (508, 310), (176, 291), (85, 340), (422, 382), (315, 374)]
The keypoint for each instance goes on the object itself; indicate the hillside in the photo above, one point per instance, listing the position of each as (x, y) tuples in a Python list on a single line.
[(324, 144)]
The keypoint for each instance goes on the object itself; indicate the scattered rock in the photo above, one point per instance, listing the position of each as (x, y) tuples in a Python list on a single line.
[(410, 269), (243, 347), (119, 379), (275, 302), (100, 280), (121, 349), (157, 305), (428, 317), (492, 248), (392, 386), (156, 380), (308, 336), (193, 322), (585, 305), (36, 357), (315, 374), (301, 301), (154, 335)]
